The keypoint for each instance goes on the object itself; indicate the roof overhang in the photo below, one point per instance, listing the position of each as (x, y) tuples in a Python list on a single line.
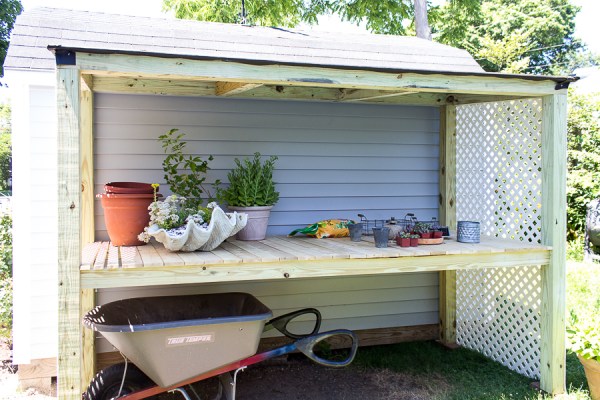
[(115, 70)]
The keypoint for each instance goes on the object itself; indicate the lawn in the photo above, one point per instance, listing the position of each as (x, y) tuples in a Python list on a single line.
[(464, 374)]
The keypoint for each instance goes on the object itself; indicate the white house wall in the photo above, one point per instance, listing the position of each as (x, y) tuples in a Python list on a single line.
[(335, 160), (34, 204)]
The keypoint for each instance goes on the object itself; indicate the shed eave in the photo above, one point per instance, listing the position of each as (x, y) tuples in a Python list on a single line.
[(561, 81)]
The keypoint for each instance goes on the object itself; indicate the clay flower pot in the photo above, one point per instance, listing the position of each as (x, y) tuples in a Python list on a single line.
[(426, 235), (403, 242), (128, 188), (414, 242), (437, 234), (126, 214), (592, 373)]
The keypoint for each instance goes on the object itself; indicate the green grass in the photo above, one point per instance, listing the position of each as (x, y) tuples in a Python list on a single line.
[(463, 374)]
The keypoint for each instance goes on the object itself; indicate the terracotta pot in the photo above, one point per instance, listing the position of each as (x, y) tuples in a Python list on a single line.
[(258, 220), (426, 235), (592, 373), (437, 234), (403, 242), (128, 188), (414, 242), (125, 216)]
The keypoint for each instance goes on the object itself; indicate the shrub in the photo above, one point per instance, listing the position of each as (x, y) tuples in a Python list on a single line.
[(6, 290), (583, 178)]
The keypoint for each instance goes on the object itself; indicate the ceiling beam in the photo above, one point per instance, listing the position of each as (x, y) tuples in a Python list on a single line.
[(354, 95), (234, 88), (309, 76)]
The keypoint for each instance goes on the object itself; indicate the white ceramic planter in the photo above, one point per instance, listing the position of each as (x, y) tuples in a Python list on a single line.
[(222, 225), (258, 220)]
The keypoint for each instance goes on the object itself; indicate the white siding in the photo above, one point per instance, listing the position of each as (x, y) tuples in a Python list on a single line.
[(35, 216), (335, 160)]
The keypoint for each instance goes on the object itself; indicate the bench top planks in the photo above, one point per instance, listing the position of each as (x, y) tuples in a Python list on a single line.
[(287, 257)]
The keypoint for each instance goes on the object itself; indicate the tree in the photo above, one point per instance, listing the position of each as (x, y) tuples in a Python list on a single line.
[(9, 10), (583, 177), (533, 36), (5, 148)]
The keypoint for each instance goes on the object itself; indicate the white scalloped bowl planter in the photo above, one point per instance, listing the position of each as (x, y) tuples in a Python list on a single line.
[(222, 225)]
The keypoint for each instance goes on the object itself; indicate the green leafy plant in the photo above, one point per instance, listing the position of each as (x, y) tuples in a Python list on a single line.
[(6, 288), (189, 185), (584, 336), (583, 176), (251, 183), (421, 227)]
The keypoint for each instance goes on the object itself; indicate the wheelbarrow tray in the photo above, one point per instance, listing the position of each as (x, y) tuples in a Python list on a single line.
[(174, 338)]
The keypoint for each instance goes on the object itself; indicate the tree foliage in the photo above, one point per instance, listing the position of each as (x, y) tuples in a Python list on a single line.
[(9, 10), (5, 147), (532, 36), (583, 178)]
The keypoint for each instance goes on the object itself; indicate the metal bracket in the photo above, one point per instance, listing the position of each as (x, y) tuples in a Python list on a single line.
[(562, 85), (65, 57)]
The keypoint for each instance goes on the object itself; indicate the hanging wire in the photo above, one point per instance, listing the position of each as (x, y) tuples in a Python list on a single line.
[(243, 12)]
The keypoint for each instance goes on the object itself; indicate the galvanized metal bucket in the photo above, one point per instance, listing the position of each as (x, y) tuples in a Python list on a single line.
[(468, 232)]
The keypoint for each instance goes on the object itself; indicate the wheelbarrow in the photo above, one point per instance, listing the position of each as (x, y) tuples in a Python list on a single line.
[(171, 342)]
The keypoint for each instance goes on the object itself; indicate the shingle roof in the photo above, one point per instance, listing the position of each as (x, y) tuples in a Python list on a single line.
[(36, 29)]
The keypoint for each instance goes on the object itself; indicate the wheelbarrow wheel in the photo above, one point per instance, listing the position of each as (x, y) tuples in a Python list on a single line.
[(107, 382)]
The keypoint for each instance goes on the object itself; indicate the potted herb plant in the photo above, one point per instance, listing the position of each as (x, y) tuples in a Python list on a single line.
[(252, 191), (585, 342), (414, 240), (423, 230), (403, 239)]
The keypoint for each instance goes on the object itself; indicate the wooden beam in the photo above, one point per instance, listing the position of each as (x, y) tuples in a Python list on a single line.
[(447, 171), (86, 149), (274, 74), (554, 211), (330, 94), (365, 95), (259, 270), (40, 368), (168, 87), (234, 88), (88, 350), (447, 216), (69, 251)]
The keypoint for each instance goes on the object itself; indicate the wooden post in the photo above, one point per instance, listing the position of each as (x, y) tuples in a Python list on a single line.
[(447, 214), (87, 300), (69, 252), (554, 211)]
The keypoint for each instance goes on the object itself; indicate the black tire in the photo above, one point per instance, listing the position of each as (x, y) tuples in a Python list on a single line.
[(106, 383)]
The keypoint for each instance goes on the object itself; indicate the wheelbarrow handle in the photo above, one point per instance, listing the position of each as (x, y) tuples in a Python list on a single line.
[(307, 345), (280, 323)]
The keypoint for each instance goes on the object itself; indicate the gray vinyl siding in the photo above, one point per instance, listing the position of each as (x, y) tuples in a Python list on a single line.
[(352, 303), (335, 160)]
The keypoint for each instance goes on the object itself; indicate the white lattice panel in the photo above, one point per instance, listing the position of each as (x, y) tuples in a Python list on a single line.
[(498, 164)]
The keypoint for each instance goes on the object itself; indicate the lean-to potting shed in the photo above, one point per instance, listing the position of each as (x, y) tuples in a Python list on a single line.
[(378, 125)]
